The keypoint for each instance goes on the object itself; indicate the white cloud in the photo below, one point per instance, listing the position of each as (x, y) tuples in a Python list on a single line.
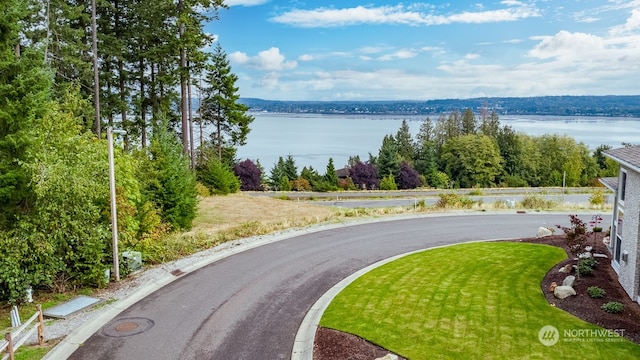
[(472, 56), (400, 54), (270, 60), (231, 3), (400, 15), (568, 45), (270, 81), (306, 57), (632, 25)]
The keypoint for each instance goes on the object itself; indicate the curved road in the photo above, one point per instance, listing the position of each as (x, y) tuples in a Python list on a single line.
[(250, 305)]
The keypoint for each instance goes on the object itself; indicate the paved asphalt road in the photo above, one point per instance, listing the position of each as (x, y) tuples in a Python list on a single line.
[(488, 199), (250, 305)]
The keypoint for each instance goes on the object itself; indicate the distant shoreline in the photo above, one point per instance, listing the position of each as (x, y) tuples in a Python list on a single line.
[(623, 106)]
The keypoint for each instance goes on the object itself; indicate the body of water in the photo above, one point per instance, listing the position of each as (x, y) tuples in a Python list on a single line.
[(311, 139)]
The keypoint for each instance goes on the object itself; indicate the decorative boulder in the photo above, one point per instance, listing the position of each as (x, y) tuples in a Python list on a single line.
[(565, 269), (543, 232), (389, 357), (604, 256), (563, 292), (569, 280), (553, 286)]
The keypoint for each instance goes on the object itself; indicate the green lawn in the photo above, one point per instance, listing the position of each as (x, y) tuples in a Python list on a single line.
[(470, 301)]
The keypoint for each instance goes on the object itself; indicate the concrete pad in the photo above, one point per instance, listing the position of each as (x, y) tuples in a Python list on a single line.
[(71, 307)]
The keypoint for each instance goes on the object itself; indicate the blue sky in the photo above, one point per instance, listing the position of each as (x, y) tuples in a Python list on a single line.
[(386, 50)]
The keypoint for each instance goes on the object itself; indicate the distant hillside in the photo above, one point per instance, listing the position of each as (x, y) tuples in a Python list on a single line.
[(611, 105)]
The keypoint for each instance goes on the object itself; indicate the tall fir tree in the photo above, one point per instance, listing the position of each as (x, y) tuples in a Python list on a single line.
[(25, 85), (404, 143), (221, 107)]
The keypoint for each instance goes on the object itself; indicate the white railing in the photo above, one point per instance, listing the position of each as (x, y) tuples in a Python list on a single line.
[(13, 340)]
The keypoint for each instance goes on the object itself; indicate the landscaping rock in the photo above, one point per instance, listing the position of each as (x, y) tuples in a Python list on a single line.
[(588, 248), (553, 286), (569, 280), (389, 357), (563, 292), (604, 256), (584, 255), (565, 269), (543, 232)]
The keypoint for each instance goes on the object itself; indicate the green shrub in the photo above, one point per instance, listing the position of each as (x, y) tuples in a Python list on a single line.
[(388, 183), (596, 292), (586, 266), (598, 198), (454, 201), (475, 192), (612, 307), (219, 178), (202, 190), (536, 202)]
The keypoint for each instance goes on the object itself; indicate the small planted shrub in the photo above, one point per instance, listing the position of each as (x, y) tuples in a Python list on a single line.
[(586, 266), (596, 292), (576, 233), (612, 307)]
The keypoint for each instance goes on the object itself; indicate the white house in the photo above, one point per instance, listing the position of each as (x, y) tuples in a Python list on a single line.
[(625, 228)]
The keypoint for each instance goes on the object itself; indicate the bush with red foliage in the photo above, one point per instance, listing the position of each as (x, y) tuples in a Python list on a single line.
[(408, 178), (249, 174), (364, 176)]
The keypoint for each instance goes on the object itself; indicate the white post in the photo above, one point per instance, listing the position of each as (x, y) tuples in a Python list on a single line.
[(114, 216)]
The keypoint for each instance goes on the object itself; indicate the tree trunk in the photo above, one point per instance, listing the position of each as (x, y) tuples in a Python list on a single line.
[(96, 77)]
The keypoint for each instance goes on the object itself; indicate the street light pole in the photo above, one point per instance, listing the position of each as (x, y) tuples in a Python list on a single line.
[(114, 215)]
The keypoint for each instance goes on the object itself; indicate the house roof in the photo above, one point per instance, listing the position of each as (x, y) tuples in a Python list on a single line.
[(628, 156), (610, 183)]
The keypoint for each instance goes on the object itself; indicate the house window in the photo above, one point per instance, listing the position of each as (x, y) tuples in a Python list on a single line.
[(618, 239), (623, 184)]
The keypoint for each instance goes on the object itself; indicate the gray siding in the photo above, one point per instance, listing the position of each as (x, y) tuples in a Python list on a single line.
[(629, 276)]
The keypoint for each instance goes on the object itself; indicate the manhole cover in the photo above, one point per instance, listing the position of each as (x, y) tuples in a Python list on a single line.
[(127, 327)]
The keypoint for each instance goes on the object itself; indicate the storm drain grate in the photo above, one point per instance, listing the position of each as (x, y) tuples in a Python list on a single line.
[(177, 272), (127, 327)]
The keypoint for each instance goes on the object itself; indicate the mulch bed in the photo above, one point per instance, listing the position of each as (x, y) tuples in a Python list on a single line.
[(335, 345)]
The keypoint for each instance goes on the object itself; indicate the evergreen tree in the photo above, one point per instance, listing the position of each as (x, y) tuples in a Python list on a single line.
[(330, 176), (25, 92), (290, 170), (468, 122), (490, 126), (426, 158), (170, 184), (404, 143), (388, 161), (220, 105), (219, 178), (277, 173)]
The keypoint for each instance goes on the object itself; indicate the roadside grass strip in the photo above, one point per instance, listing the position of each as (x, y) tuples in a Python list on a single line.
[(470, 301)]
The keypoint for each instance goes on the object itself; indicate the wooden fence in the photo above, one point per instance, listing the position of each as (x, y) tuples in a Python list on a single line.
[(13, 340)]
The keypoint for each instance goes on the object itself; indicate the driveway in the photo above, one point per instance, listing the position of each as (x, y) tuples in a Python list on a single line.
[(251, 304)]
